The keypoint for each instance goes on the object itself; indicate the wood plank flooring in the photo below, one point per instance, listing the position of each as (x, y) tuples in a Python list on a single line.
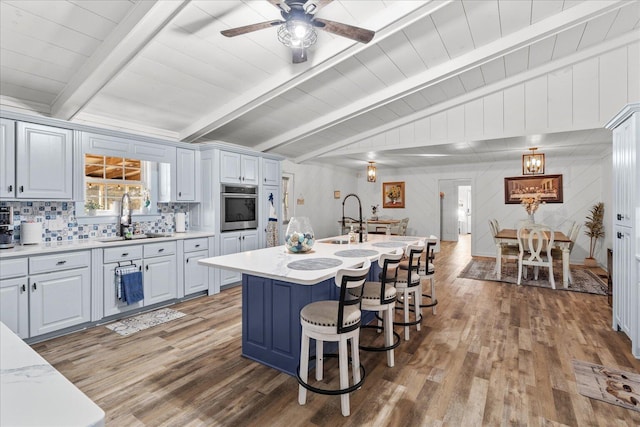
[(494, 354)]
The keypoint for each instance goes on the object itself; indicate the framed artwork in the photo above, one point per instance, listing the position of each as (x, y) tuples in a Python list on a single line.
[(548, 186), (393, 194)]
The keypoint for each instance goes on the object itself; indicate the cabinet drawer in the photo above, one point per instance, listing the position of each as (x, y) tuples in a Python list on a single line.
[(159, 249), (122, 253), (191, 245), (66, 261), (13, 268)]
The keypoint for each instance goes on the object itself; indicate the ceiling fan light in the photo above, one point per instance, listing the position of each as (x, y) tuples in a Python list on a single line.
[(297, 34)]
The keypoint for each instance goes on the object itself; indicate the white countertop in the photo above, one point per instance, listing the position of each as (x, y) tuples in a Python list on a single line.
[(33, 393), (272, 262), (75, 245)]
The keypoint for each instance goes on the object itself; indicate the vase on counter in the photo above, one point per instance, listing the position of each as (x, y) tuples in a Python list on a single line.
[(299, 237), (532, 218)]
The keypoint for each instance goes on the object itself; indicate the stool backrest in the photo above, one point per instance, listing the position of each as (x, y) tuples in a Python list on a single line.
[(413, 253), (349, 278), (389, 264)]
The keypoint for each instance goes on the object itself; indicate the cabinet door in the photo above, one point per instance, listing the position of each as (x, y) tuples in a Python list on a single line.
[(160, 279), (623, 298), (624, 171), (249, 169), (112, 305), (7, 158), (44, 157), (59, 300), (186, 175), (270, 172), (230, 171), (14, 305), (250, 241), (230, 243), (196, 276)]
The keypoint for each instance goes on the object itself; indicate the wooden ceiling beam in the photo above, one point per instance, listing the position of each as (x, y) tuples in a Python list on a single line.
[(133, 34)]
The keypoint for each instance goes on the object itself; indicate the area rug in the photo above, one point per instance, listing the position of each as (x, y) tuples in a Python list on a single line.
[(144, 321), (583, 279), (607, 384)]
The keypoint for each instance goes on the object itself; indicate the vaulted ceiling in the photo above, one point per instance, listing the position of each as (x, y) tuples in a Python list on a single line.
[(163, 68)]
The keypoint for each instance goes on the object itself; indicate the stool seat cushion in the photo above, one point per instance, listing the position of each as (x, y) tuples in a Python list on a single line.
[(402, 280), (325, 313), (371, 291)]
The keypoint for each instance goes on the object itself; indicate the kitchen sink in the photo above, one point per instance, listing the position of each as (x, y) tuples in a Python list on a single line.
[(135, 237)]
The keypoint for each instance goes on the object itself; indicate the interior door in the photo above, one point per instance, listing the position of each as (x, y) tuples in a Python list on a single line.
[(449, 210)]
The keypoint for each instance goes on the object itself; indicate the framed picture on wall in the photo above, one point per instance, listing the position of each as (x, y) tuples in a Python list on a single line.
[(393, 194), (548, 186)]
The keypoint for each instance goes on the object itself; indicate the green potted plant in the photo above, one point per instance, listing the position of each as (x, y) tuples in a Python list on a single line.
[(90, 206), (595, 230)]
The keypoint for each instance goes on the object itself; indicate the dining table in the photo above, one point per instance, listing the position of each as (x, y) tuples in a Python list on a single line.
[(509, 236)]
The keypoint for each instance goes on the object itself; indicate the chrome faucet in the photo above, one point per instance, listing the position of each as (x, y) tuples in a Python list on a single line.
[(359, 212), (125, 220)]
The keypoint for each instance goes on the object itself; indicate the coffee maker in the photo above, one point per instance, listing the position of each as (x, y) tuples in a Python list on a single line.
[(6, 227)]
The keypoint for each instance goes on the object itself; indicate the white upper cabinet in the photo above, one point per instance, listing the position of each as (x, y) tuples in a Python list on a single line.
[(7, 158), (270, 172), (44, 162), (186, 175), (238, 168)]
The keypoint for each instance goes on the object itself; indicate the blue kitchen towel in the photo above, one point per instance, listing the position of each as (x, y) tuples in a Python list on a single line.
[(132, 287)]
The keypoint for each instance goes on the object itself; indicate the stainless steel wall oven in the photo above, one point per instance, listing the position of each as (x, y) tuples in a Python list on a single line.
[(238, 207)]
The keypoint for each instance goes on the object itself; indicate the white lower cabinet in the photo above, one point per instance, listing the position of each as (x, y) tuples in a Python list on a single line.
[(14, 305), (112, 304), (234, 242), (196, 276), (159, 272), (59, 300)]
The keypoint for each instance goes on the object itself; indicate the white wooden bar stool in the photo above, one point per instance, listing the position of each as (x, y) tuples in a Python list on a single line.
[(381, 298), (426, 271), (409, 286), (334, 321)]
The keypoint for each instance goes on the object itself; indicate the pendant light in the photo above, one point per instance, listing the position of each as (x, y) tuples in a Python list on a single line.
[(533, 163), (371, 172)]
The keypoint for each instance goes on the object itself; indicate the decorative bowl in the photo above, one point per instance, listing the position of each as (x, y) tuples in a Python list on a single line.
[(299, 237)]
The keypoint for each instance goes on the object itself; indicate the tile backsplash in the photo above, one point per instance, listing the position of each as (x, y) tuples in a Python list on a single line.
[(59, 221)]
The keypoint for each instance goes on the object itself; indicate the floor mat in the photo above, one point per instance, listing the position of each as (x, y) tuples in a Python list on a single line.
[(144, 321), (583, 279), (607, 384)]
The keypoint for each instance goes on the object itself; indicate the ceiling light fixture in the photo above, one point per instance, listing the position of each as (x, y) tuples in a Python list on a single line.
[(297, 33), (371, 172), (532, 163)]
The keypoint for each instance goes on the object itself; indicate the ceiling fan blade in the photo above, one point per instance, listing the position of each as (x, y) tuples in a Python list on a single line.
[(232, 32), (312, 6), (345, 30), (299, 54)]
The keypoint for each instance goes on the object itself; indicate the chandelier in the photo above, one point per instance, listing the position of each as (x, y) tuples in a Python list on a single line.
[(532, 163), (371, 172)]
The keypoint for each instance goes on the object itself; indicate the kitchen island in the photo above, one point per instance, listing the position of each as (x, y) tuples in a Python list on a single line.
[(277, 284)]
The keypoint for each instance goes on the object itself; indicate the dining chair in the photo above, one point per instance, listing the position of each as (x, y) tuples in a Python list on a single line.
[(535, 242), (508, 251)]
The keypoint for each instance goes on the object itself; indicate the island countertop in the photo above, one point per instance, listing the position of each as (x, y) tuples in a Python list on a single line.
[(33, 393), (273, 263)]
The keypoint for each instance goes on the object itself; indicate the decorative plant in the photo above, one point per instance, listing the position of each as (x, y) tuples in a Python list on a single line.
[(594, 226), (531, 204), (91, 205), (374, 209)]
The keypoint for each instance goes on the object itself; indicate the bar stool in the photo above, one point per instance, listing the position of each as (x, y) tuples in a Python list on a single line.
[(426, 271), (381, 297), (410, 286), (334, 321)]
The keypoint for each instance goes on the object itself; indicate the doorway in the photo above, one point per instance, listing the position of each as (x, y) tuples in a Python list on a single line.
[(455, 208)]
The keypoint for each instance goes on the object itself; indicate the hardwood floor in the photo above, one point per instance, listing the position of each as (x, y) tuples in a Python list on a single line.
[(495, 354)]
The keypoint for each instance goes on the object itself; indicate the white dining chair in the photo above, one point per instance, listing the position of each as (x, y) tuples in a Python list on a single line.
[(508, 252), (535, 243)]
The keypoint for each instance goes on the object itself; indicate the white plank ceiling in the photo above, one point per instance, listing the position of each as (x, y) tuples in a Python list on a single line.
[(163, 68)]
